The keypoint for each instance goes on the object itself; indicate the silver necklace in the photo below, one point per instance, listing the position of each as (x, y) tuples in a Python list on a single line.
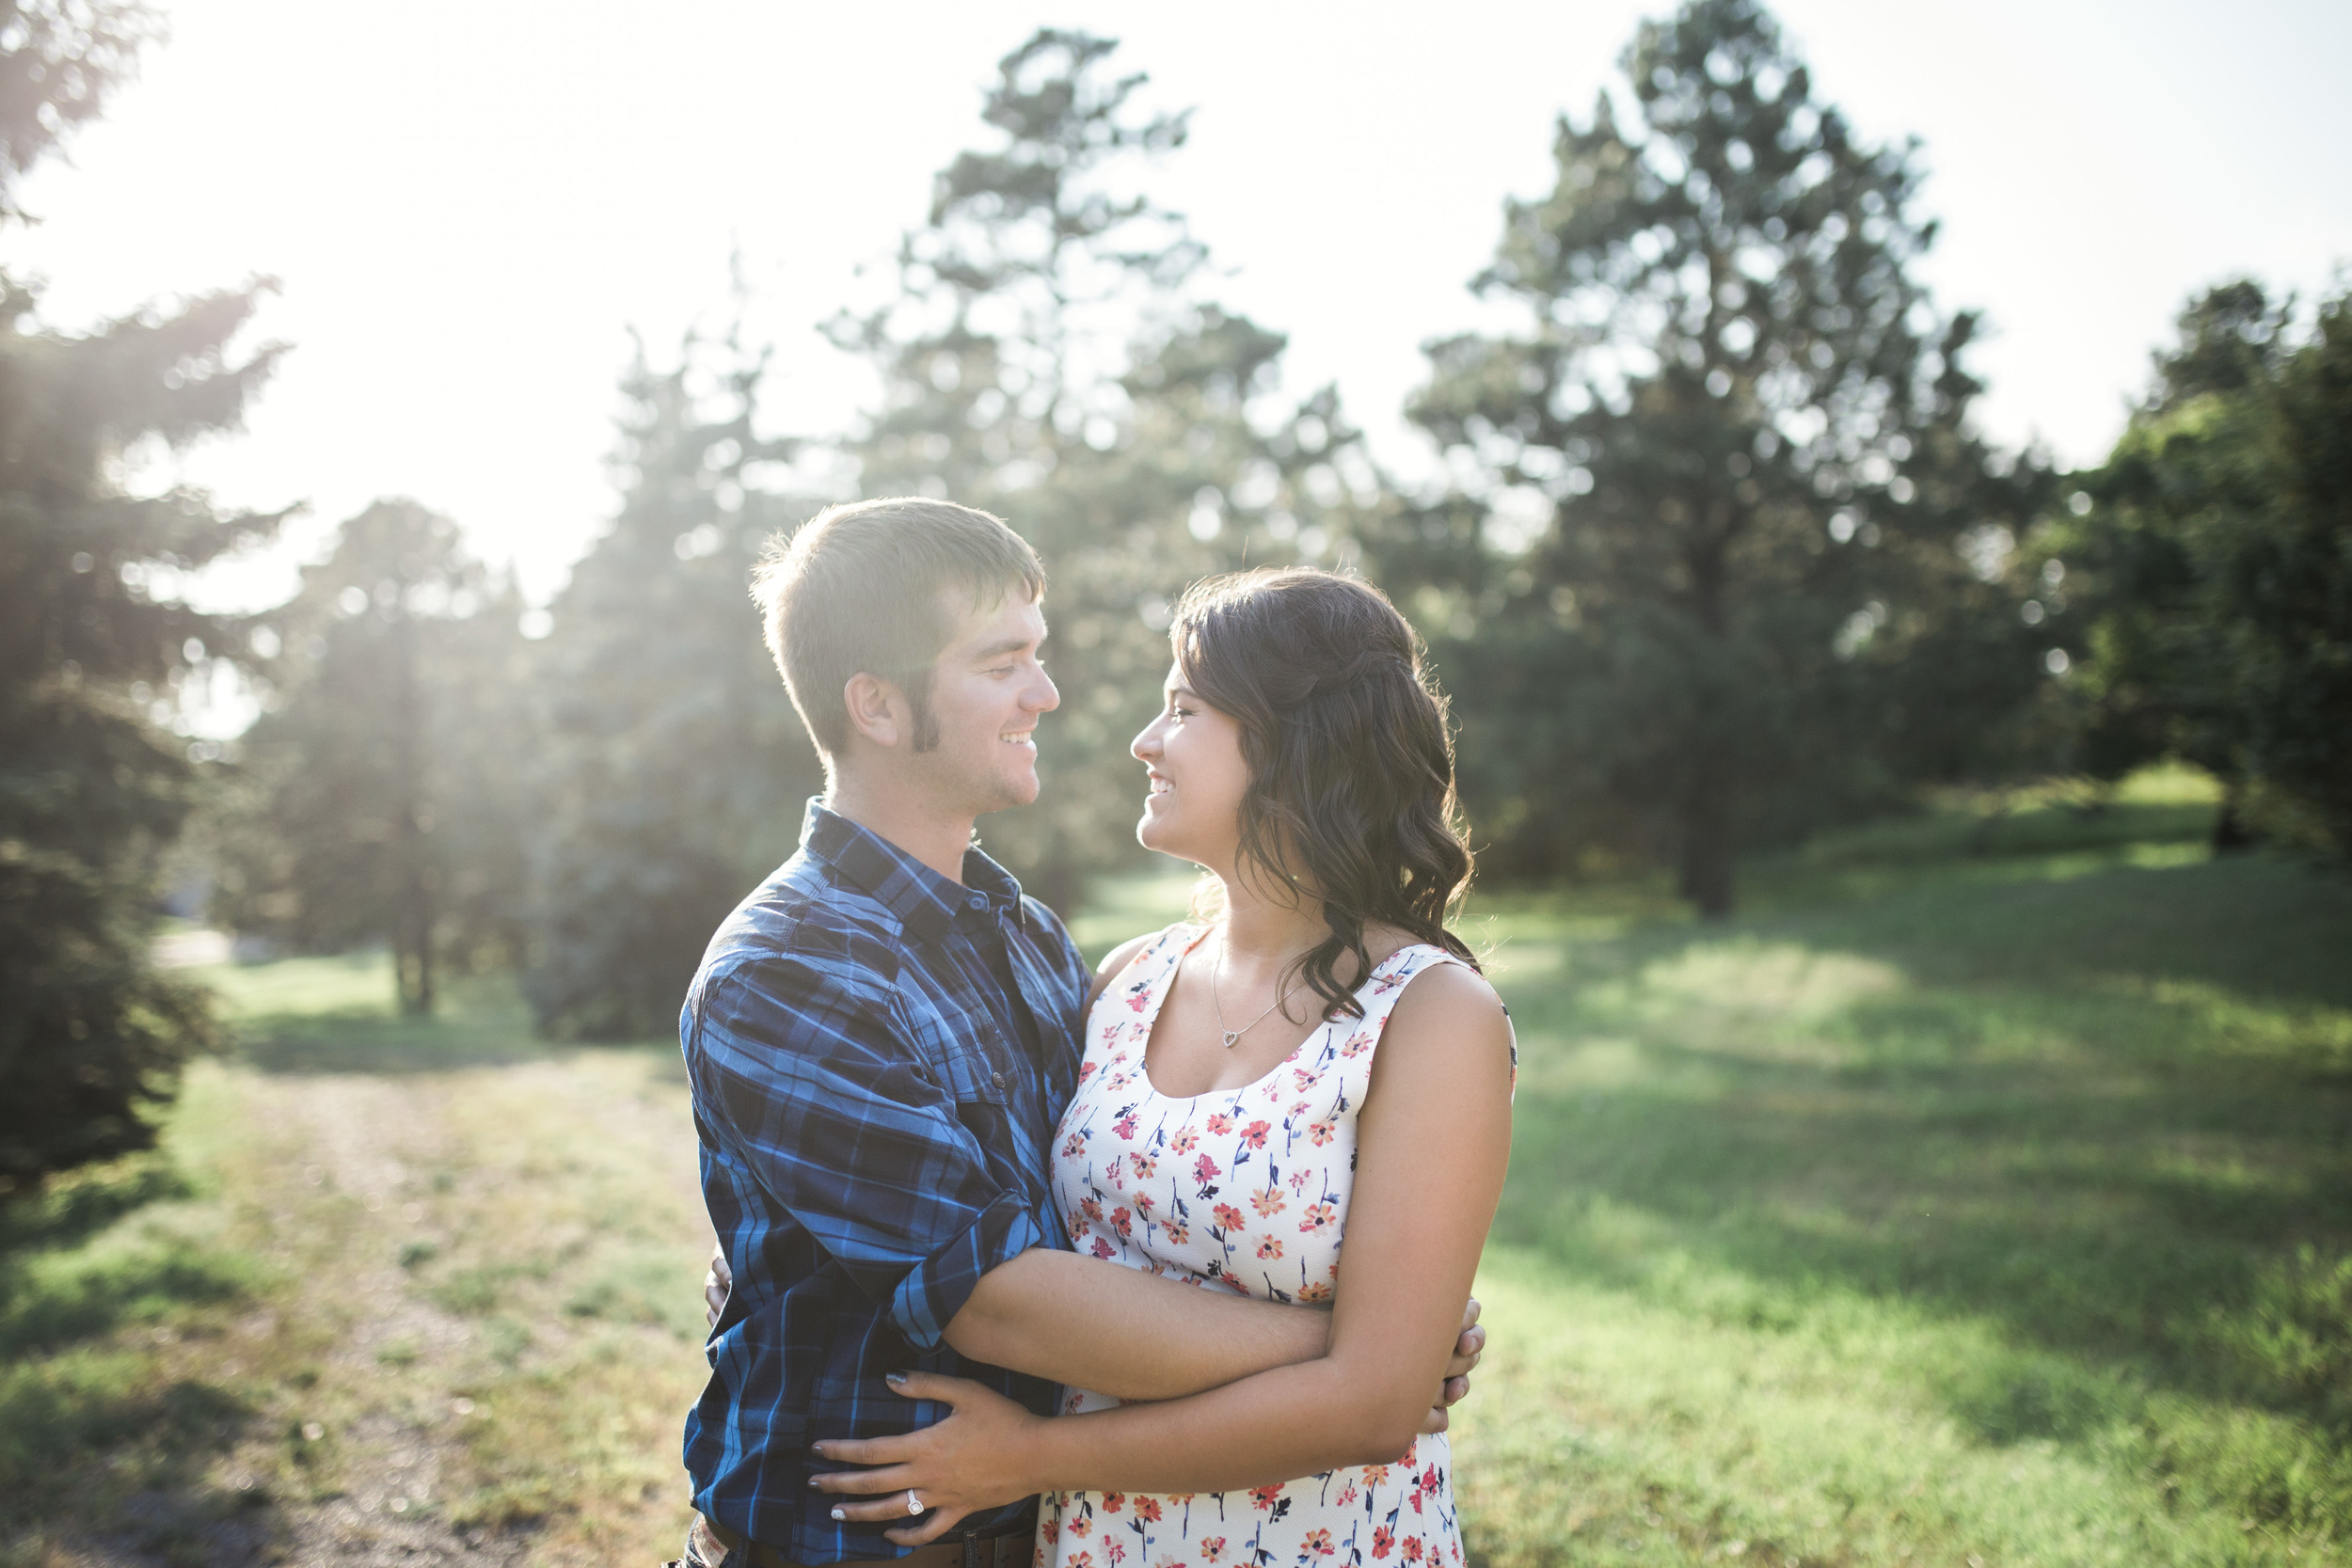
[(1234, 1035)]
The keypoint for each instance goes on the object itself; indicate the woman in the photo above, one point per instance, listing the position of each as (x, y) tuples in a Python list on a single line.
[(1319, 1057)]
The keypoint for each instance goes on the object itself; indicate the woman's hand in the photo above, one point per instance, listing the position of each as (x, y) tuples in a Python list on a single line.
[(969, 1462), (716, 1284)]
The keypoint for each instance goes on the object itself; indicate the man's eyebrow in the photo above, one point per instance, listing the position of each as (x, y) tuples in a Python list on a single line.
[(1006, 645)]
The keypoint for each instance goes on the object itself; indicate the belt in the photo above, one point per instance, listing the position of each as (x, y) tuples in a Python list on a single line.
[(1001, 1547)]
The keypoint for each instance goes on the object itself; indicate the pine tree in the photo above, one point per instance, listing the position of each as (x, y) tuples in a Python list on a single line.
[(674, 767), (2208, 575), (381, 798), (92, 646), (1741, 561), (1047, 357)]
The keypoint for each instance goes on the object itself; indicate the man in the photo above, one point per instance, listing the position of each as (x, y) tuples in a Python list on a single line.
[(881, 1041)]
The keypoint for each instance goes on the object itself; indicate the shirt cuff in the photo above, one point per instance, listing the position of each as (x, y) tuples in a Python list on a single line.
[(935, 1289)]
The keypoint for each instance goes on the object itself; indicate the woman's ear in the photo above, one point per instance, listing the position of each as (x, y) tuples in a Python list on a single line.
[(878, 709)]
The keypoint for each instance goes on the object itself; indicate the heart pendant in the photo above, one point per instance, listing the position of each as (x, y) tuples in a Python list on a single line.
[(1231, 1035)]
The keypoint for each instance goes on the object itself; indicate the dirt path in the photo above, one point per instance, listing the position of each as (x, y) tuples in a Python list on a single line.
[(476, 1329)]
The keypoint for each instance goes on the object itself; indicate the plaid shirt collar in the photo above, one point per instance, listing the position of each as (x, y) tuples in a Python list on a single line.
[(926, 903)]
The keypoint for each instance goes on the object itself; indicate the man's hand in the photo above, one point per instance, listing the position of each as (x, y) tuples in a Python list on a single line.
[(720, 1279), (1468, 1347)]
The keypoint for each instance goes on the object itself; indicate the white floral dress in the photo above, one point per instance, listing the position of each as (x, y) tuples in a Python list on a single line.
[(1247, 1190)]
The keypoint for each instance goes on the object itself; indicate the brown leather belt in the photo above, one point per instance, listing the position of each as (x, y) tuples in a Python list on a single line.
[(1000, 1548)]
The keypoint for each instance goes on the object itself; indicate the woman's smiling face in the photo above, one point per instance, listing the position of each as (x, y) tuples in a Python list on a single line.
[(1192, 760)]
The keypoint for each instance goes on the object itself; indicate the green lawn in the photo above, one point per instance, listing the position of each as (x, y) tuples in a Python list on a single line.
[(1981, 1196)]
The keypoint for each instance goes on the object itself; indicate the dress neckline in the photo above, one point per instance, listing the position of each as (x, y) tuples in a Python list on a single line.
[(1151, 1016)]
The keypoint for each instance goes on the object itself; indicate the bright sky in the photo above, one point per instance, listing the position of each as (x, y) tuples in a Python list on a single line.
[(469, 205)]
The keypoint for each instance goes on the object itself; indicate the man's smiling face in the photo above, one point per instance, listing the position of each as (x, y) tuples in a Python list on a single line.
[(988, 687)]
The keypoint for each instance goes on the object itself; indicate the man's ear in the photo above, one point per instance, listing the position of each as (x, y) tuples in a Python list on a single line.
[(878, 709)]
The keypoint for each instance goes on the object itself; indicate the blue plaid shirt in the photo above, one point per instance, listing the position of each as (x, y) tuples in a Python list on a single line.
[(879, 1057)]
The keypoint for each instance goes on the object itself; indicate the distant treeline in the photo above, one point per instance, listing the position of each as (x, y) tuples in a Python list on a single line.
[(1718, 558)]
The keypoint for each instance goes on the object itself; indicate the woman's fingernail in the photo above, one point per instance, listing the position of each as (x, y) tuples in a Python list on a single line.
[(838, 1515), (895, 1379), (814, 1483)]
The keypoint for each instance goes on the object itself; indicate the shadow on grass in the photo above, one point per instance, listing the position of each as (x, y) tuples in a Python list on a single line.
[(62, 1282), (91, 1438), (2107, 1114)]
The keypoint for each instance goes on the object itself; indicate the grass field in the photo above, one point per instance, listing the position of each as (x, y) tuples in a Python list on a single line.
[(1983, 1195)]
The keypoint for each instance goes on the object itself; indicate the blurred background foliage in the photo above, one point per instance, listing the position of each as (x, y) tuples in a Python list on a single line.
[(1717, 560)]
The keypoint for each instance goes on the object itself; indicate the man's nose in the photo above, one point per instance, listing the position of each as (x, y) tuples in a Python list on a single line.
[(1044, 697)]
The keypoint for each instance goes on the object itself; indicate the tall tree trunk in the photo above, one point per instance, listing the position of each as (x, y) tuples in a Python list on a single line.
[(2229, 831), (1705, 874), (412, 944)]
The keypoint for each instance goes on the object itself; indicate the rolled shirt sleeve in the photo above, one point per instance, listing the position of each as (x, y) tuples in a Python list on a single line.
[(809, 1076)]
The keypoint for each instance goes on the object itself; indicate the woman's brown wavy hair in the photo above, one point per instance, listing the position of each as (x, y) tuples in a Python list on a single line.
[(1350, 757)]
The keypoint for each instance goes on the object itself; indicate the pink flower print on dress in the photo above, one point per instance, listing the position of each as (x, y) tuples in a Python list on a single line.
[(1298, 1180), (1205, 1170), (1075, 1146), (1147, 1510), (1317, 1216), (1383, 1539), (1143, 1165), (1144, 1202), (1269, 1247), (1267, 1200), (1124, 1222), (1229, 1217), (1412, 1545), (1220, 1124), (1262, 1496), (1116, 1551), (1116, 1173), (1253, 1136), (1320, 1133), (1305, 1079), (1318, 1291), (1185, 1142), (1212, 1547), (1111, 1501), (1103, 1249), (1358, 1043), (1087, 1070), (1178, 1232), (1125, 1125), (1347, 1495), (1318, 1542), (1089, 1210)]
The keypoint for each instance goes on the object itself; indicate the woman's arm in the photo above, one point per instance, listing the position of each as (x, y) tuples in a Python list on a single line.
[(1433, 1142)]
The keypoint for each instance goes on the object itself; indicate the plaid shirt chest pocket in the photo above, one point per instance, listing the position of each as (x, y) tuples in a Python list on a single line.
[(963, 1055)]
